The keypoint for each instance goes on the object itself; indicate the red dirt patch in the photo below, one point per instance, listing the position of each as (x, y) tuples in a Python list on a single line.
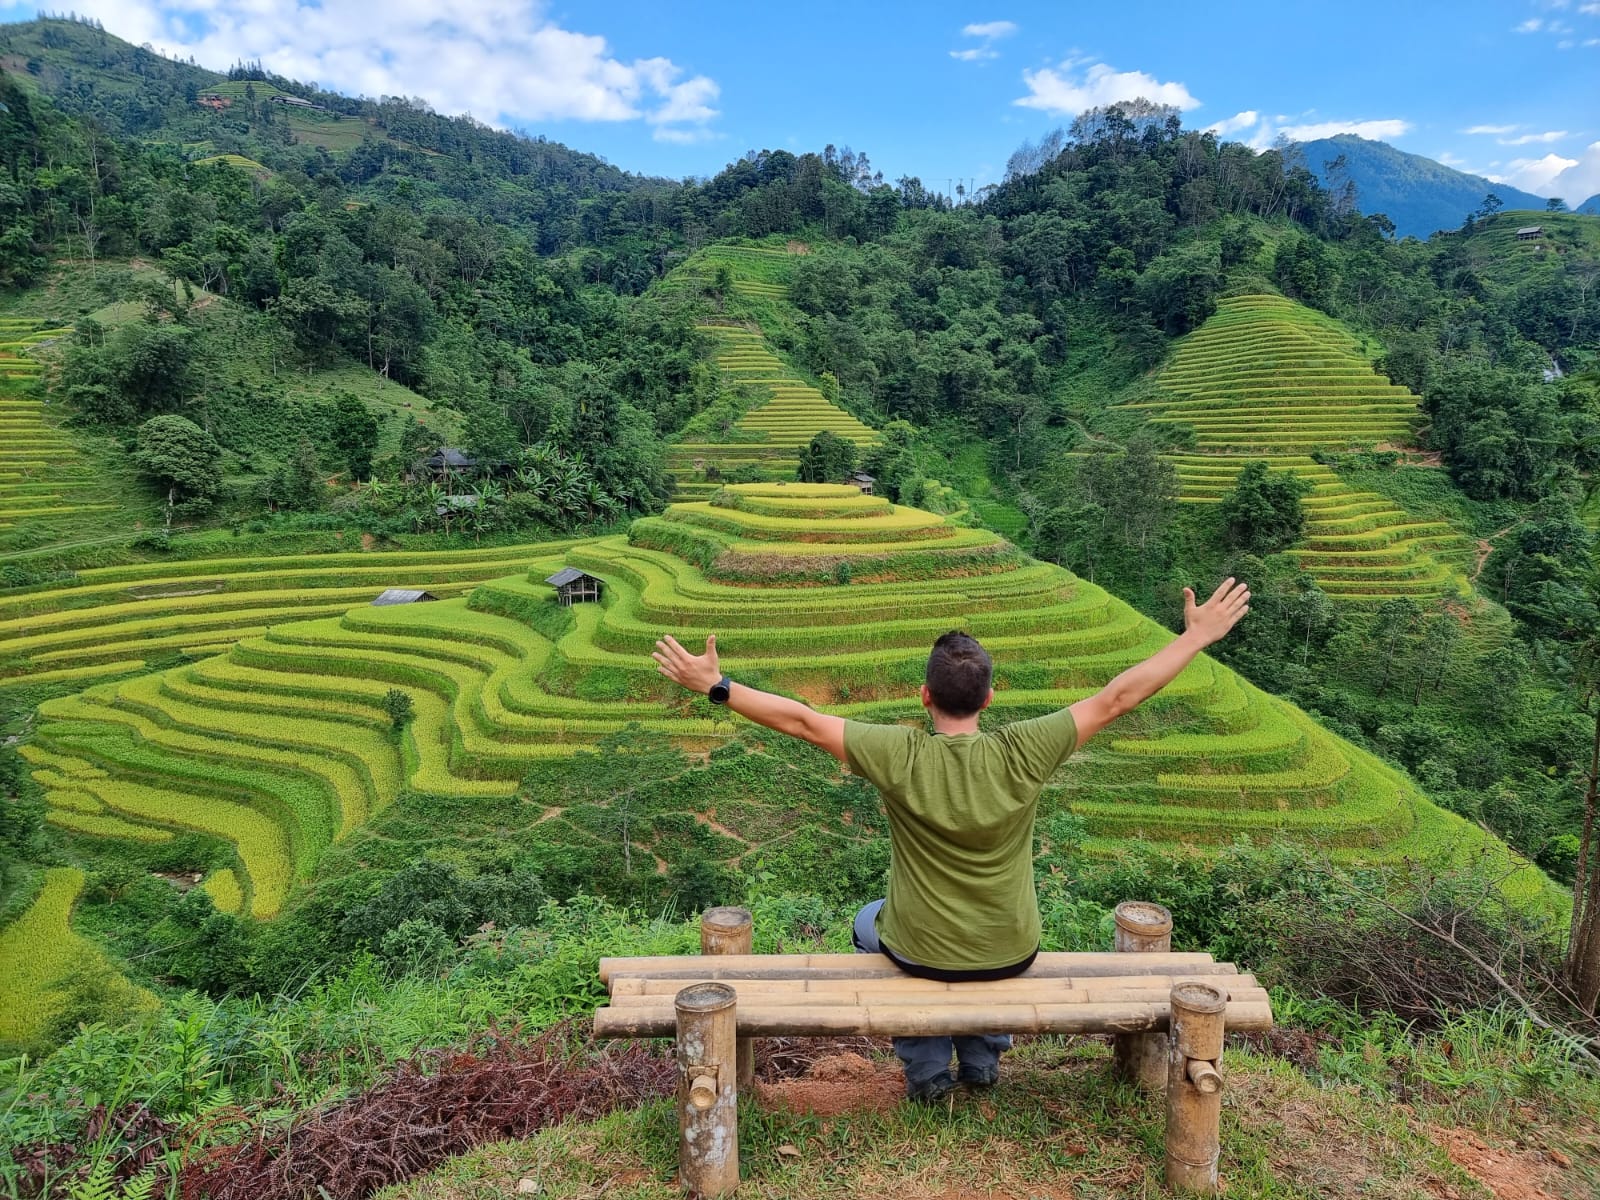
[(843, 1083), (368, 541), (1510, 1175), (798, 247)]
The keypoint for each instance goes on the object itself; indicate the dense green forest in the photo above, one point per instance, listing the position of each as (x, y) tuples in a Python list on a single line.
[(255, 321)]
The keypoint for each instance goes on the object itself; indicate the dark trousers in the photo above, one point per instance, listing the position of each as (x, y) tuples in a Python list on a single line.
[(926, 1057)]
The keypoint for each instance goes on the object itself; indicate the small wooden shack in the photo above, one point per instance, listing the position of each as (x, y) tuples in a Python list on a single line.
[(1530, 233), (447, 458), (574, 586), (402, 596), (863, 481)]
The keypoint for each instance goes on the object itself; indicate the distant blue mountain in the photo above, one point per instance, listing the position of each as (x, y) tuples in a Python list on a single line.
[(1418, 194), (1591, 205)]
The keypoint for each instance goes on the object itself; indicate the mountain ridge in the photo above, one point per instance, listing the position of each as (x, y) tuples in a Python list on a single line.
[(1419, 194)]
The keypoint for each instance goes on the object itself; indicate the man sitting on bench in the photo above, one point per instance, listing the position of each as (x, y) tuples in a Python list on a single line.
[(961, 903)]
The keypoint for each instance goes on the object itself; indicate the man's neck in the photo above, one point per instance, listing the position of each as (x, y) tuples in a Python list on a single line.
[(954, 725)]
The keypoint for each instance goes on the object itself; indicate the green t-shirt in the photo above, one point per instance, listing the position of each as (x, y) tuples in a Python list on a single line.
[(961, 811)]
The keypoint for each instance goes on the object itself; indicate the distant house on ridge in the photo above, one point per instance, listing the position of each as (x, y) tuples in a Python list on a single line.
[(862, 481), (401, 596), (1530, 233), (574, 586)]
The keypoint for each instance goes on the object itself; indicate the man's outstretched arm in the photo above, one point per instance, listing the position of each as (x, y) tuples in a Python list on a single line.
[(698, 672), (1203, 624)]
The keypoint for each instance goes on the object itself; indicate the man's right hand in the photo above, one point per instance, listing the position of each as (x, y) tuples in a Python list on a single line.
[(1210, 622)]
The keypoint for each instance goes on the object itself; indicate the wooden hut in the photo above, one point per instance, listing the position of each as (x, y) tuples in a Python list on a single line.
[(863, 481), (402, 596), (1530, 233), (574, 586), (447, 459)]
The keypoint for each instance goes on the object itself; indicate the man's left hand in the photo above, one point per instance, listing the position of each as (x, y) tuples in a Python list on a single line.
[(697, 672)]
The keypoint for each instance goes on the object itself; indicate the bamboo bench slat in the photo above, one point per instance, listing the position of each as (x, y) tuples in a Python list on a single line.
[(877, 966), (976, 999), (908, 1020), (648, 985)]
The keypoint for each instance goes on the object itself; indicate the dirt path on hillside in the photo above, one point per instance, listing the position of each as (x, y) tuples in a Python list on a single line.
[(1486, 548)]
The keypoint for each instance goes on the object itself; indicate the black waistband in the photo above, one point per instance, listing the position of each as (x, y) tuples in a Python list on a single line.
[(940, 975)]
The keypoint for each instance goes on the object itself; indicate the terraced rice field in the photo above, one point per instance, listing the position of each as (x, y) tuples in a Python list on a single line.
[(45, 483), (281, 746), (38, 951), (771, 435), (110, 622), (1267, 379)]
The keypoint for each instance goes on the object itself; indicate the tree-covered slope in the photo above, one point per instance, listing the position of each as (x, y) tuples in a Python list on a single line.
[(1418, 194)]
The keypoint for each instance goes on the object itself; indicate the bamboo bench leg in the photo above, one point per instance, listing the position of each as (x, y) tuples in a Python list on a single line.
[(1142, 928), (708, 1090), (1194, 1088), (731, 931)]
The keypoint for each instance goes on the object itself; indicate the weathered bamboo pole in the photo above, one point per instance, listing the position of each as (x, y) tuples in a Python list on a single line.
[(753, 1002), (876, 966), (908, 1020), (638, 985), (708, 1089), (731, 931), (1142, 928), (1194, 1088)]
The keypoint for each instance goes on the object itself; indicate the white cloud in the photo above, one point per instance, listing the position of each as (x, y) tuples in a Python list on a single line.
[(1065, 91), (990, 32), (1592, 9), (505, 61), (1494, 129), (989, 29), (1535, 174), (1531, 25), (1580, 179), (1527, 139), (1233, 124)]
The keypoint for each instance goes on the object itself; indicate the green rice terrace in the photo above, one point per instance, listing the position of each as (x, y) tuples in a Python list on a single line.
[(789, 412), (1268, 379), (281, 746), (110, 622), (47, 489)]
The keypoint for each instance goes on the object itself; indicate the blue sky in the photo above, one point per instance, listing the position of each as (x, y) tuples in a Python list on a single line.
[(945, 91)]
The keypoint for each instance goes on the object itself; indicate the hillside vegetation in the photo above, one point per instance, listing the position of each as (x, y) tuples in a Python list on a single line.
[(1269, 380), (262, 360), (768, 412)]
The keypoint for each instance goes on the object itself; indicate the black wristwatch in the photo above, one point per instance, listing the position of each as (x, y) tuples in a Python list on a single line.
[(720, 691)]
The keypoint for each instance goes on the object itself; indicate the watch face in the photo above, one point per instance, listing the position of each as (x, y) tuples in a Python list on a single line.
[(718, 693)]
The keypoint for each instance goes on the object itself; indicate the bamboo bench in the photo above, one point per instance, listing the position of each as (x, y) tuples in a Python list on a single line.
[(1168, 1013)]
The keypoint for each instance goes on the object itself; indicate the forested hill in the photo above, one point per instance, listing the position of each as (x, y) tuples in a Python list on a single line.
[(1417, 193), (195, 113)]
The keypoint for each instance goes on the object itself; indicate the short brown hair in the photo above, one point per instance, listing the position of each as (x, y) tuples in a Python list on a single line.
[(960, 673)]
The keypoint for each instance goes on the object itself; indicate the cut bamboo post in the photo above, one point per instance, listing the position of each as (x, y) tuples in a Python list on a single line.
[(731, 931), (1142, 928), (1194, 1088), (708, 1090)]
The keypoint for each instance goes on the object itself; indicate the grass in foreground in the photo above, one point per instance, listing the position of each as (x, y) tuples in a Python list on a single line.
[(1059, 1127)]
